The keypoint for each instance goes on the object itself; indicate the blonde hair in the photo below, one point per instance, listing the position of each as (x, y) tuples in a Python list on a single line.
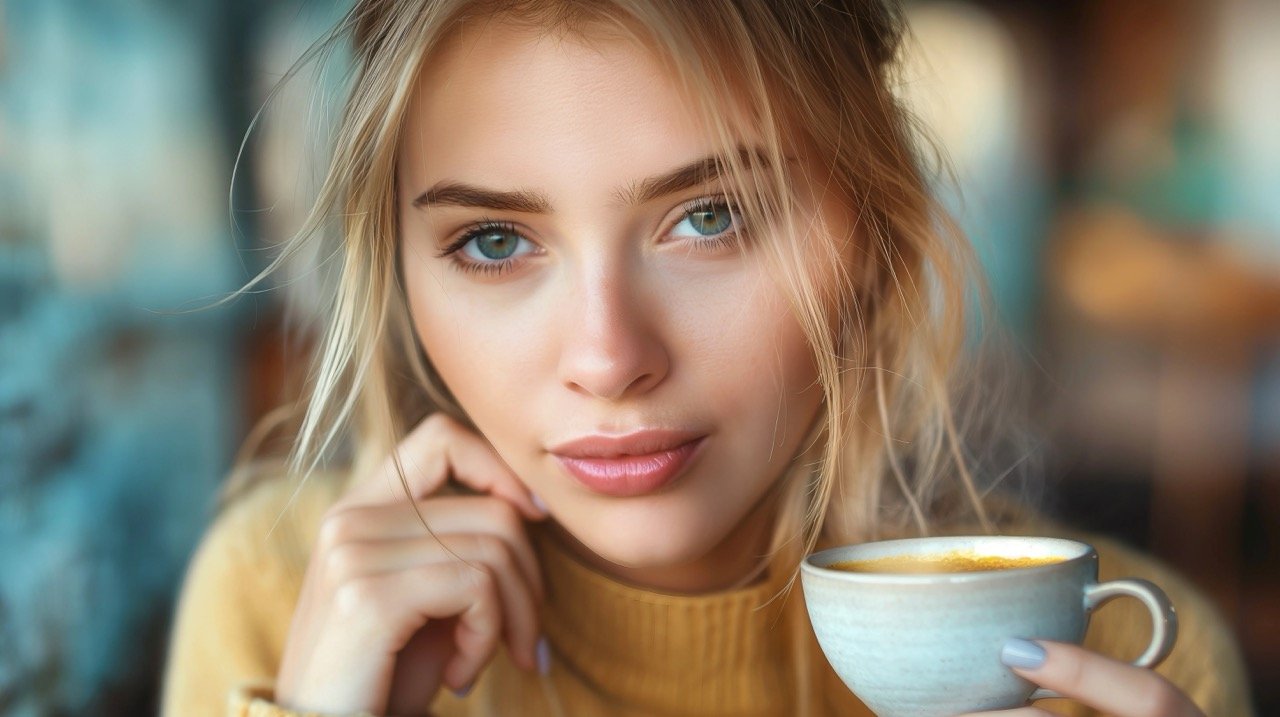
[(885, 309)]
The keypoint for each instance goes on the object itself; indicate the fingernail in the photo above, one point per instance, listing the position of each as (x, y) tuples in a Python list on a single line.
[(544, 656), (1022, 653), (537, 503), (464, 691)]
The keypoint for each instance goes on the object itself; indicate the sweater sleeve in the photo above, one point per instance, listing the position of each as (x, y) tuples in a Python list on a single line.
[(236, 603), (226, 624)]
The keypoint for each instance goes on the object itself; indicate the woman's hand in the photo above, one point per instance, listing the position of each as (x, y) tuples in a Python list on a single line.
[(1114, 687), (388, 612)]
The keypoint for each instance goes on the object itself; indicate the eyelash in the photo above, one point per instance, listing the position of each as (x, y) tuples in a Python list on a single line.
[(502, 266)]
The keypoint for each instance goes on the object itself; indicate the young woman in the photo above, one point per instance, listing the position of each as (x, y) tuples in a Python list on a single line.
[(640, 301)]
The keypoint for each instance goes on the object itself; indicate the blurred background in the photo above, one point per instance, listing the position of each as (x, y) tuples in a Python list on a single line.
[(1119, 171)]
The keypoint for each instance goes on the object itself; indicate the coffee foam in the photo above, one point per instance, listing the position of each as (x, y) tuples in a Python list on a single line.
[(951, 562)]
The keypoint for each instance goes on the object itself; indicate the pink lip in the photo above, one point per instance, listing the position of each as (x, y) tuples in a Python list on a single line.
[(631, 465)]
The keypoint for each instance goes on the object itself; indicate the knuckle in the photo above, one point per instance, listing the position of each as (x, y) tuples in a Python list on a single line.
[(1159, 699), (438, 426), (337, 527), (495, 552), (359, 596), (479, 579), (343, 562), (1073, 675), (505, 516)]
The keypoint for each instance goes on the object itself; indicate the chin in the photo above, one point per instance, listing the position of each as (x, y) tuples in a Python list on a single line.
[(643, 538)]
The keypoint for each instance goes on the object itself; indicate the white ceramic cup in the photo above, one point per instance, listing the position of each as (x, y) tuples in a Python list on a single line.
[(920, 645)]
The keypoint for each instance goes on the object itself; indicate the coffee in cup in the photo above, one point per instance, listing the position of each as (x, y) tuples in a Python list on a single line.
[(956, 561)]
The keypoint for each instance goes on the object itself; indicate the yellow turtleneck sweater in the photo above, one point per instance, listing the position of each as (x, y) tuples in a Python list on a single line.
[(617, 649)]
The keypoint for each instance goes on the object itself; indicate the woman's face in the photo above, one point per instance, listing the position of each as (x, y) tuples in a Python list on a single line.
[(594, 311)]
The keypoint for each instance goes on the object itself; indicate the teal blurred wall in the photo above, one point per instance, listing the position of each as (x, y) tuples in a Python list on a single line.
[(120, 409)]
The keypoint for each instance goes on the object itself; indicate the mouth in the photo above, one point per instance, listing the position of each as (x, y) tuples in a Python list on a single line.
[(629, 466)]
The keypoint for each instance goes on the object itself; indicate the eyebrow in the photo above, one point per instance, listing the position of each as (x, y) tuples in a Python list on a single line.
[(691, 175)]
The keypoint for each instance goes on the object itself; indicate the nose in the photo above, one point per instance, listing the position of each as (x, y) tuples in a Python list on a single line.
[(612, 348)]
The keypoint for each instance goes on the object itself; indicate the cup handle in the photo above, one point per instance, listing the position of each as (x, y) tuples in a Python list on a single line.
[(1164, 621)]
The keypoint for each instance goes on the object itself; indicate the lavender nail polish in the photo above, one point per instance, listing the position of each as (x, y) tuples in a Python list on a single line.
[(544, 656), (464, 691), (1022, 653)]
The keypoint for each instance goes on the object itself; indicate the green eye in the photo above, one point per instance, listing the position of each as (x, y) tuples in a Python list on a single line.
[(707, 219), (497, 245), (489, 248), (711, 220)]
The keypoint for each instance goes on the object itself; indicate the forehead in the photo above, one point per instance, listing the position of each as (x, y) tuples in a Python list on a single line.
[(500, 101)]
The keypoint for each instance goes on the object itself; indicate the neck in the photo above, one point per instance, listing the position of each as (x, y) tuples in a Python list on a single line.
[(736, 561)]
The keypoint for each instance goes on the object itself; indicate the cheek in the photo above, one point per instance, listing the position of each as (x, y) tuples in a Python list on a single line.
[(469, 343), (479, 365), (761, 371)]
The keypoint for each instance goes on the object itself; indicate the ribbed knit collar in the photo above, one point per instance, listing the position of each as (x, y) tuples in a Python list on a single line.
[(718, 653)]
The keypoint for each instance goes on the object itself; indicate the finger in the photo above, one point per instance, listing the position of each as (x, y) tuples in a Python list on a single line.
[(472, 655), (475, 647), (394, 606), (1109, 685), (446, 515), (521, 626), (419, 668), (434, 449), (353, 562), (356, 559)]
